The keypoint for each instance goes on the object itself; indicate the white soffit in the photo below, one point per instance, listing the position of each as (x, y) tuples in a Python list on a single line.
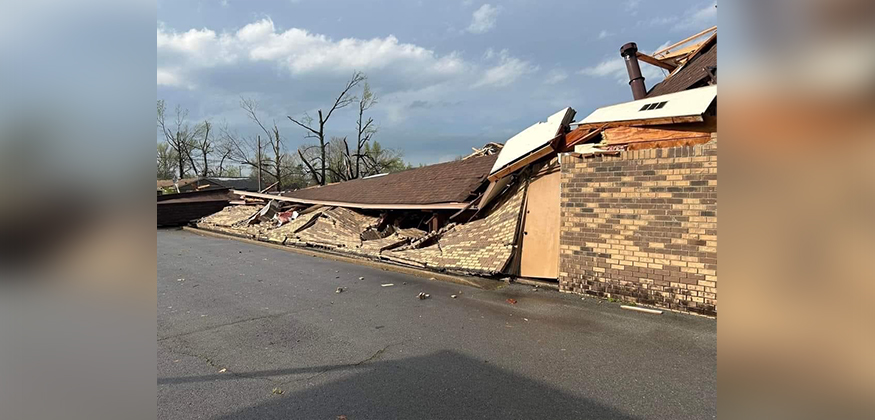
[(532, 139), (679, 104)]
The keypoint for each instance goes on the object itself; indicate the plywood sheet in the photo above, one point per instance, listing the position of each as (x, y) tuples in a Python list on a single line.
[(540, 247)]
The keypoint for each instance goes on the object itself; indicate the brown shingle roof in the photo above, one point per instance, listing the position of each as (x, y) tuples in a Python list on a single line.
[(692, 75), (451, 182)]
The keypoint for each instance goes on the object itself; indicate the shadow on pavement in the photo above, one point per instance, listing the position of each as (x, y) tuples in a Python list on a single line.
[(443, 385)]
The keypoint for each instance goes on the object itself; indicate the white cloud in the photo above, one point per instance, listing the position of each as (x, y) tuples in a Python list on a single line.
[(604, 34), (166, 77), (698, 18), (507, 71), (631, 6), (607, 67), (555, 76), (659, 21), (616, 69), (483, 19), (298, 52)]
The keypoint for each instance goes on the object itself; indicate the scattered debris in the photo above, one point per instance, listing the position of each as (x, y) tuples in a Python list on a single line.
[(511, 301), (223, 370), (180, 279), (361, 278), (423, 295), (640, 309), (454, 296), (432, 278), (338, 290), (387, 284), (277, 391), (404, 283), (526, 319)]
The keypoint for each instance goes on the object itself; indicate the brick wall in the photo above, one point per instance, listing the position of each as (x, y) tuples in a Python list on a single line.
[(642, 227)]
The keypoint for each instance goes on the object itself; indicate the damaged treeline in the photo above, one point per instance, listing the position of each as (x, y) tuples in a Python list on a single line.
[(200, 149)]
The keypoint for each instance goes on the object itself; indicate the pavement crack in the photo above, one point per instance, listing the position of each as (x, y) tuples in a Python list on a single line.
[(372, 357), (214, 327)]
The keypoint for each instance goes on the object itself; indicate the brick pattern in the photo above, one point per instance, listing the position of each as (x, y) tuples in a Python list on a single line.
[(482, 246), (642, 226)]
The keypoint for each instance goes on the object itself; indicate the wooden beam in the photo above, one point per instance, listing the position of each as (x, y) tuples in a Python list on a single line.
[(435, 206), (626, 135), (269, 187), (643, 122), (569, 143), (654, 62), (522, 163), (670, 47)]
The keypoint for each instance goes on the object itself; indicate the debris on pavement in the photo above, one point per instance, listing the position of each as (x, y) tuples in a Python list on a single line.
[(432, 278), (361, 278), (454, 296), (223, 370), (387, 284), (277, 391), (339, 290), (511, 301), (640, 309), (423, 295)]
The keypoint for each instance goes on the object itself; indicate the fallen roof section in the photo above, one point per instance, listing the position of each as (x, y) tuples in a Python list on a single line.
[(696, 70), (532, 139), (688, 103), (449, 186), (376, 206)]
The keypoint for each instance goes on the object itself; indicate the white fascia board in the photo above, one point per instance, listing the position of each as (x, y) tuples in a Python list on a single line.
[(679, 104), (532, 139)]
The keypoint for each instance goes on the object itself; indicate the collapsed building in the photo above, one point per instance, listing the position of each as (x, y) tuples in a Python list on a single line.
[(621, 203)]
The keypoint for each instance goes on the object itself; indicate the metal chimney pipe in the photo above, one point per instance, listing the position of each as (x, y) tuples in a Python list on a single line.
[(636, 80)]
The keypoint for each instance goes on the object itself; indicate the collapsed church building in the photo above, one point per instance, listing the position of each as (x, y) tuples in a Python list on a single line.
[(621, 203)]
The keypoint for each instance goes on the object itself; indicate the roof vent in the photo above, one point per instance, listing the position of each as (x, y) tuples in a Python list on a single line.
[(652, 106)]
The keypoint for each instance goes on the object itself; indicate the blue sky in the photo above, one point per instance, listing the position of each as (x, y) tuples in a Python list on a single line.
[(450, 75)]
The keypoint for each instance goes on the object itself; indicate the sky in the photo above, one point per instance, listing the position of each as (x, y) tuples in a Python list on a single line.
[(449, 75)]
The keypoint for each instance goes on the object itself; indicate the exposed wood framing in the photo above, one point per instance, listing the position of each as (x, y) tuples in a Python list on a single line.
[(522, 163), (625, 135), (269, 187), (682, 42), (435, 206), (644, 122), (581, 136), (654, 62)]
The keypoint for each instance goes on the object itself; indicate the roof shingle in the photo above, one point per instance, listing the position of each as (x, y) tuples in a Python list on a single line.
[(692, 75), (451, 182)]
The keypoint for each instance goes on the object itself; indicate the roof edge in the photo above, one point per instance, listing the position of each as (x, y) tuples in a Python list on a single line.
[(433, 206)]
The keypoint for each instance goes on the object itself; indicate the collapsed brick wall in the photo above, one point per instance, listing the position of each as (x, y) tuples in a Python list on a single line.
[(642, 227)]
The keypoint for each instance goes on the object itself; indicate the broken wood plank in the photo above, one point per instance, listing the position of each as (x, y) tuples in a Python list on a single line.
[(655, 62), (522, 163), (625, 135)]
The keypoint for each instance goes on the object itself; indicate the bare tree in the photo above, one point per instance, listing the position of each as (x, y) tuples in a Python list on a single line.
[(241, 150), (167, 161), (364, 129), (179, 136), (316, 128), (205, 147), (274, 140)]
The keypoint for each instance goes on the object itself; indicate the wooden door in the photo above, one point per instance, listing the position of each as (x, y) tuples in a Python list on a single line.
[(540, 250)]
